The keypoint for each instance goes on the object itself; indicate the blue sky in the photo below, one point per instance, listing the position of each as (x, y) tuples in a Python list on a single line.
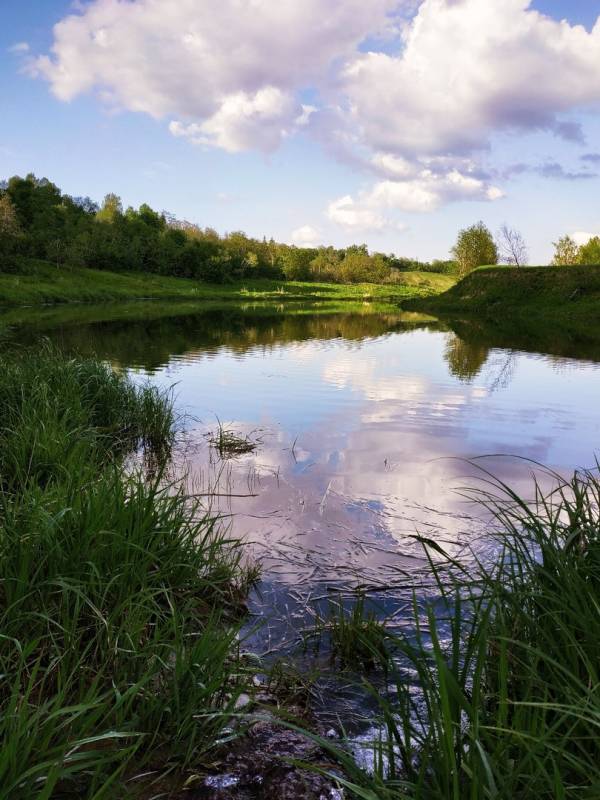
[(286, 123)]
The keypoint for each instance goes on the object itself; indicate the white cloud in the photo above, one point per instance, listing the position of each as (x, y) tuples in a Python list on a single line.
[(391, 166), (418, 115), (346, 212), (229, 72), (469, 68), (244, 122), (424, 193), (582, 237), (306, 236), (19, 47)]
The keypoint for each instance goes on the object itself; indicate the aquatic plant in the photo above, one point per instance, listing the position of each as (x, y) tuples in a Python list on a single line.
[(353, 631), (228, 443)]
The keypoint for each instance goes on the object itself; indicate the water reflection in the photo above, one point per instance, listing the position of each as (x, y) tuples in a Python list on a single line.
[(366, 421), (465, 358)]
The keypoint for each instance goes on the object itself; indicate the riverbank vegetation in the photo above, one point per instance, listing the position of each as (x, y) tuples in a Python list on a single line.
[(493, 691), (34, 282), (566, 298), (120, 599)]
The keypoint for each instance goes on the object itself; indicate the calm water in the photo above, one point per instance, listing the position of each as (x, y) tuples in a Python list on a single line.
[(363, 423)]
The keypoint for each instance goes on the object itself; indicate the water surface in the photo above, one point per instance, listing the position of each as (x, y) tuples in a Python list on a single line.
[(363, 422)]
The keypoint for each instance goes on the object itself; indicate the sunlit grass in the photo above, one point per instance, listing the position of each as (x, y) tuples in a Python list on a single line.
[(39, 282)]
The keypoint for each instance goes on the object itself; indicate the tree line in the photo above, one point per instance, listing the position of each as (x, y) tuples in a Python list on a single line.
[(38, 221)]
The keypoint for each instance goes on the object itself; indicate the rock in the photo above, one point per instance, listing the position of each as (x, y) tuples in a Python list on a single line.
[(257, 767), (243, 701)]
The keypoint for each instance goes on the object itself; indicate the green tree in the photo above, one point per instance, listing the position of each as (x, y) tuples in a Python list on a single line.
[(590, 253), (112, 207), (325, 265), (296, 262), (566, 252), (10, 230), (359, 267), (9, 224), (474, 248)]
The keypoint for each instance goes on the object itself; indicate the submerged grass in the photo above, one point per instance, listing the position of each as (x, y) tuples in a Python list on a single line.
[(352, 631), (499, 697), (119, 600), (228, 443)]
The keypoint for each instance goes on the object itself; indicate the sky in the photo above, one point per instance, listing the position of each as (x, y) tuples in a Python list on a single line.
[(390, 122)]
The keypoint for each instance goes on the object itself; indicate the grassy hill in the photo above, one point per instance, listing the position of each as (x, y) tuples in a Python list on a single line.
[(494, 291), (39, 282), (524, 307)]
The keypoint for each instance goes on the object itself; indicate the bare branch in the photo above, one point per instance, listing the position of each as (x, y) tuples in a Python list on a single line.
[(512, 247)]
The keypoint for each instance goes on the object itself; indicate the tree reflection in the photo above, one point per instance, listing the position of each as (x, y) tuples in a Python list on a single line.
[(465, 359)]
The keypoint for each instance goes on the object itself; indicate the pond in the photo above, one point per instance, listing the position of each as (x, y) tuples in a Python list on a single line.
[(364, 426)]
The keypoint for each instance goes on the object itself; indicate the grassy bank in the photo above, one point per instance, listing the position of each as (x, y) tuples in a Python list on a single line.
[(119, 600), (494, 691), (38, 282), (567, 296)]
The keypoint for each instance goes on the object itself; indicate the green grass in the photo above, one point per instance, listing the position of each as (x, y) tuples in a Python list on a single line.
[(119, 597), (494, 691), (39, 282), (565, 296), (352, 631)]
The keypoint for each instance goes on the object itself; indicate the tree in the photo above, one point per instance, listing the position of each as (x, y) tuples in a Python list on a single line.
[(112, 207), (359, 267), (296, 263), (10, 230), (512, 247), (566, 252), (475, 247), (590, 253), (9, 224), (325, 265)]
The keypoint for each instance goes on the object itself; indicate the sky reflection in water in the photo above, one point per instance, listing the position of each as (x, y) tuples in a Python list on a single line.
[(364, 423)]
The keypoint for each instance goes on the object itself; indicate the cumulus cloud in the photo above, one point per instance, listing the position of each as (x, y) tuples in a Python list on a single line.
[(356, 215), (417, 110), (227, 72), (468, 69), (424, 193), (583, 237), (306, 236), (244, 122)]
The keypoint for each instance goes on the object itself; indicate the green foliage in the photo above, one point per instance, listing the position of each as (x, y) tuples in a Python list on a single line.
[(355, 634), (74, 231), (474, 248), (10, 230), (590, 253), (566, 252), (118, 595)]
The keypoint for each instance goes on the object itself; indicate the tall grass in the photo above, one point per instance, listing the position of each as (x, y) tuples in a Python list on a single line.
[(498, 696), (119, 600)]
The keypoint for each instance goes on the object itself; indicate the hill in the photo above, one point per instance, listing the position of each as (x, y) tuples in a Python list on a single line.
[(492, 292)]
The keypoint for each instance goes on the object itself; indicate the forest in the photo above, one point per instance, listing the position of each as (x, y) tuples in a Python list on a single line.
[(38, 221)]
